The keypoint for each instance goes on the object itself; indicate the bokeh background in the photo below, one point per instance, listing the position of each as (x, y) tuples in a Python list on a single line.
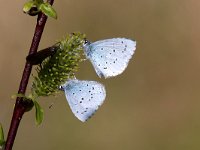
[(153, 105)]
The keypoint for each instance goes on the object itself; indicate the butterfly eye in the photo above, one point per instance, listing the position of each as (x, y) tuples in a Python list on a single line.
[(86, 42), (61, 88)]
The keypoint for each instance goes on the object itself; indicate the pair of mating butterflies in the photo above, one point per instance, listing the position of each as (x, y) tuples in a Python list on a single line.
[(109, 58)]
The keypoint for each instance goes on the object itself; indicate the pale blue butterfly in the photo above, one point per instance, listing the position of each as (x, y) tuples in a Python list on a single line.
[(84, 97), (110, 57)]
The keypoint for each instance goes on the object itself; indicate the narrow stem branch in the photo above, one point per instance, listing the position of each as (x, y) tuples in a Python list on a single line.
[(20, 107)]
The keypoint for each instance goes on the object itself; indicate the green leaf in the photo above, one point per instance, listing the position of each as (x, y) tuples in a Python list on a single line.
[(39, 113), (28, 6), (48, 10), (2, 141)]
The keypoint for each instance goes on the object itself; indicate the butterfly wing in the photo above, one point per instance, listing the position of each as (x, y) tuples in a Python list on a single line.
[(110, 57), (84, 97)]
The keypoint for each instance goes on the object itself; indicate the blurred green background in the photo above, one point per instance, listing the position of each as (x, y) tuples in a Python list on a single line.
[(153, 105)]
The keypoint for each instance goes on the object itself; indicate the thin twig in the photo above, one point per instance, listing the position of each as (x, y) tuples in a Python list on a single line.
[(20, 107)]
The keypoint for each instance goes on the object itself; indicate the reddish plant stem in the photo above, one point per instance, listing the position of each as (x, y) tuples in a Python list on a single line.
[(20, 107)]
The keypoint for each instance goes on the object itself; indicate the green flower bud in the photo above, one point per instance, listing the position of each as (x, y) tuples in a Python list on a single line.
[(57, 69)]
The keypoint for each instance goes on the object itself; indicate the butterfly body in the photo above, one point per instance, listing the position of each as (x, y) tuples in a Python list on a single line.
[(84, 97), (110, 57)]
